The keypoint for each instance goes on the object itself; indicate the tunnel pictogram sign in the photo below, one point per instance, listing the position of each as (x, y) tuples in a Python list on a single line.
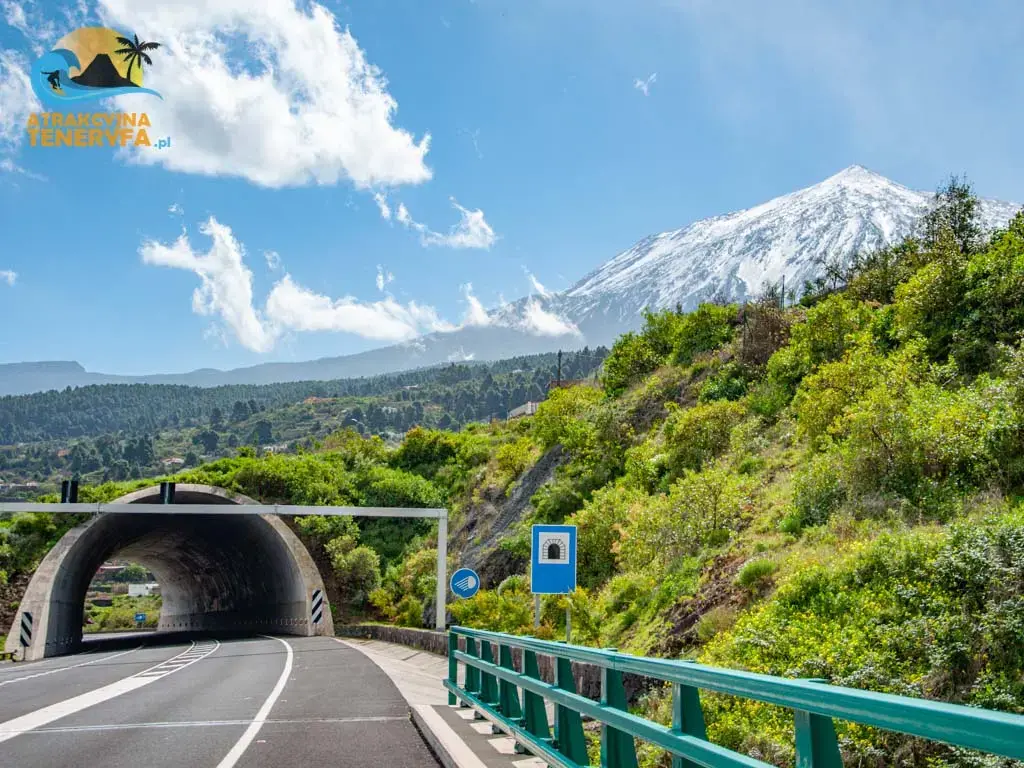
[(553, 560)]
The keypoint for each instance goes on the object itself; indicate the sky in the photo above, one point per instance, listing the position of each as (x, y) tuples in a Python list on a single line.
[(345, 176)]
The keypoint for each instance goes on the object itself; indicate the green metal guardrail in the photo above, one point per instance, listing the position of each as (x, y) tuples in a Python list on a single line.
[(493, 688)]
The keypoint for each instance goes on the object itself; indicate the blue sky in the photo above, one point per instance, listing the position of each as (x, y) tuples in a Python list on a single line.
[(506, 138)]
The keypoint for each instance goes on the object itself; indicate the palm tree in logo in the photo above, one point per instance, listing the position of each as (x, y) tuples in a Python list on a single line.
[(134, 51)]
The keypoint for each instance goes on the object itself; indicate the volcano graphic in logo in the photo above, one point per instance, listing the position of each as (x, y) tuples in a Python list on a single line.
[(92, 63)]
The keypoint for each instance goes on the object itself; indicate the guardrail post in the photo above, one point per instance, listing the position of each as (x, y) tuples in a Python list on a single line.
[(618, 749), (569, 738), (533, 704), (816, 743), (688, 718), (508, 694), (472, 673), (488, 683), (453, 665)]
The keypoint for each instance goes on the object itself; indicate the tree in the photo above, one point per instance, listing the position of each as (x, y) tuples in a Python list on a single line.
[(135, 51), (216, 418), (133, 573), (261, 433), (954, 208), (191, 459), (208, 439), (239, 412)]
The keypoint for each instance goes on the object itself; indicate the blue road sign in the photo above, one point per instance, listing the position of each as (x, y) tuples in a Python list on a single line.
[(140, 617), (465, 582), (553, 562)]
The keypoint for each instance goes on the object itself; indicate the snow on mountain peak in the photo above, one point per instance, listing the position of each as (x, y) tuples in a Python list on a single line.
[(729, 257)]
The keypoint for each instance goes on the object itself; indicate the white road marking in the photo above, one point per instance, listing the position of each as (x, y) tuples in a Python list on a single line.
[(243, 743), (214, 723), (46, 715), (63, 669)]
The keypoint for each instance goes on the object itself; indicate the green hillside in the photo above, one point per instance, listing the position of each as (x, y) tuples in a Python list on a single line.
[(130, 431), (827, 490)]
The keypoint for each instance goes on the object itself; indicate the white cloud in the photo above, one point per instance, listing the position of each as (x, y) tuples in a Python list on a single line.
[(8, 276), (226, 292), (225, 282), (17, 100), (476, 315), (176, 210), (273, 92), (273, 259), (382, 204), (537, 286), (383, 278), (9, 166), (541, 322), (645, 85), (297, 308), (472, 231)]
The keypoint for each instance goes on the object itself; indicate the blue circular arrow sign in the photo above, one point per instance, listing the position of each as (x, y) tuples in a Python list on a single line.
[(465, 583)]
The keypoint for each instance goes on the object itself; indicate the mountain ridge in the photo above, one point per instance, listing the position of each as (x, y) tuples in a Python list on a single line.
[(725, 257)]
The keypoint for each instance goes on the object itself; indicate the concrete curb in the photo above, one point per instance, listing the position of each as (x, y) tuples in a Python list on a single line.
[(445, 743)]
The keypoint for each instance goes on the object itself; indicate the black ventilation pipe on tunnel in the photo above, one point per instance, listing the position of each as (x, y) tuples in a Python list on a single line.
[(69, 492), (166, 493)]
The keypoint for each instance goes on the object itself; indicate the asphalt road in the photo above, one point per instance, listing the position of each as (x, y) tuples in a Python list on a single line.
[(207, 703)]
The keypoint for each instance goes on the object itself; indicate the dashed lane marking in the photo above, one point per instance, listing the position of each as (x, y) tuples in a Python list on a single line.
[(64, 669), (46, 715)]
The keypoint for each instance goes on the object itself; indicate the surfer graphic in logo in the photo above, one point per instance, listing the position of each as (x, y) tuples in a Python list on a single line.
[(92, 63)]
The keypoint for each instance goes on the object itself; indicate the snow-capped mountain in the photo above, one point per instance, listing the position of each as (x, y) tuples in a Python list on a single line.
[(730, 257), (726, 257)]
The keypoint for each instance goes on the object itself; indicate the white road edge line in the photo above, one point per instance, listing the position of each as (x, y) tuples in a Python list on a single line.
[(46, 715), (62, 669), (243, 743)]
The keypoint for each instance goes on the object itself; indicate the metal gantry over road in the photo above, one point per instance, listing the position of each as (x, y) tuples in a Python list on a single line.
[(168, 507)]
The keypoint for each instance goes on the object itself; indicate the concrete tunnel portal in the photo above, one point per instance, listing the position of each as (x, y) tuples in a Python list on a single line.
[(245, 573)]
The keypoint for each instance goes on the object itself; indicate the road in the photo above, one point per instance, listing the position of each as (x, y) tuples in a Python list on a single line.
[(207, 703)]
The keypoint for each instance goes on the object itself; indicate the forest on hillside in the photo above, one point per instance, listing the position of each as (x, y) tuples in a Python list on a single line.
[(831, 489), (130, 431)]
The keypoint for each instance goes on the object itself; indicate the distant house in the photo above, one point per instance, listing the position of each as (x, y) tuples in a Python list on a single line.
[(174, 461), (143, 590), (526, 409)]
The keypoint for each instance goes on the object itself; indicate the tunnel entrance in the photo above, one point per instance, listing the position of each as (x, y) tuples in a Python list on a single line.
[(217, 572), (122, 596)]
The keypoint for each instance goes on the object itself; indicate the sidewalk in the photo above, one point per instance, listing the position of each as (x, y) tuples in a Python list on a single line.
[(456, 736)]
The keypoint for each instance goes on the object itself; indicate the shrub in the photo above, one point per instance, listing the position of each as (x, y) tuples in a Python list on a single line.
[(729, 382), (719, 619), (701, 509), (703, 330), (599, 524), (562, 418), (632, 358), (409, 612), (695, 436), (818, 491), (756, 575)]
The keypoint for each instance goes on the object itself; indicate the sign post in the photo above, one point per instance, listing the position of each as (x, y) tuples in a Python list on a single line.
[(553, 564), (140, 619)]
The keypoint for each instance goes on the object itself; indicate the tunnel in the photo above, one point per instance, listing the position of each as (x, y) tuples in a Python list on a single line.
[(238, 573)]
